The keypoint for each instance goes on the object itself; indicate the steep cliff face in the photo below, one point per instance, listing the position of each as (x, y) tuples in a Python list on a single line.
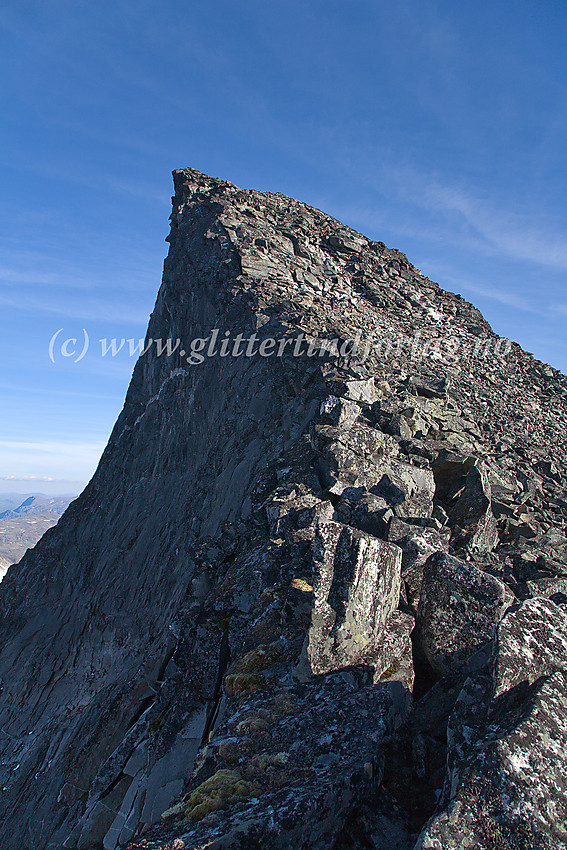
[(315, 592)]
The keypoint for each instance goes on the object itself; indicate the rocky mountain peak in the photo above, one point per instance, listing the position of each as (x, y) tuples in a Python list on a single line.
[(314, 594)]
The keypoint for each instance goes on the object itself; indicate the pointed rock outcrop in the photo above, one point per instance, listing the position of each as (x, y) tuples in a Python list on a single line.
[(216, 645)]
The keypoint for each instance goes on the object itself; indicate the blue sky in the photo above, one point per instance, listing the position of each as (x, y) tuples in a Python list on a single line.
[(436, 127)]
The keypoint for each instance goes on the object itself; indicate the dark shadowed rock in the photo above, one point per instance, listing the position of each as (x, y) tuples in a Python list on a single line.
[(418, 543)]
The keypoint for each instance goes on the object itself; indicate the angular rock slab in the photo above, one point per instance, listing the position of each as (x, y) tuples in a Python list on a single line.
[(350, 453), (361, 456), (356, 590), (473, 510), (459, 609), (294, 512), (417, 544), (409, 489), (392, 658)]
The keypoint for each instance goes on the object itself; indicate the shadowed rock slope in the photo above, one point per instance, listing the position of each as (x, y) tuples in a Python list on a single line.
[(315, 594)]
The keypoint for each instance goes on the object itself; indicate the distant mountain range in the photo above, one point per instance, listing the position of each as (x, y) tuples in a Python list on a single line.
[(34, 503), (24, 518)]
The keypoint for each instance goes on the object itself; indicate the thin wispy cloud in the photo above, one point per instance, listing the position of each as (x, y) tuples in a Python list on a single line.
[(84, 309), (66, 277), (457, 215), (34, 278), (52, 268), (478, 224), (495, 293), (51, 391), (76, 448), (37, 460), (503, 230), (40, 478)]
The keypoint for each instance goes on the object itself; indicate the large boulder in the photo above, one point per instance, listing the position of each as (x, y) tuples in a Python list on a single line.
[(459, 609), (530, 642), (360, 456)]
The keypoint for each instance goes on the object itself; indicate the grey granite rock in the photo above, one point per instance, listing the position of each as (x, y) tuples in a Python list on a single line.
[(531, 642)]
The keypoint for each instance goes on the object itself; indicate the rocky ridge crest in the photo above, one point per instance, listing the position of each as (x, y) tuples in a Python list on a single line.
[(312, 600)]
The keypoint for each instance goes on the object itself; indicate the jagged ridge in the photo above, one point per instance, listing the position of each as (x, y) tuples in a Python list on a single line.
[(275, 551)]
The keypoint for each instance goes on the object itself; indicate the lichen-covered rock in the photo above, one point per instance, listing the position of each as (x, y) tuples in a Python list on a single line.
[(408, 488), (512, 788), (365, 511), (506, 776), (339, 411), (356, 590), (300, 761), (350, 457), (531, 642), (459, 609), (287, 512)]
